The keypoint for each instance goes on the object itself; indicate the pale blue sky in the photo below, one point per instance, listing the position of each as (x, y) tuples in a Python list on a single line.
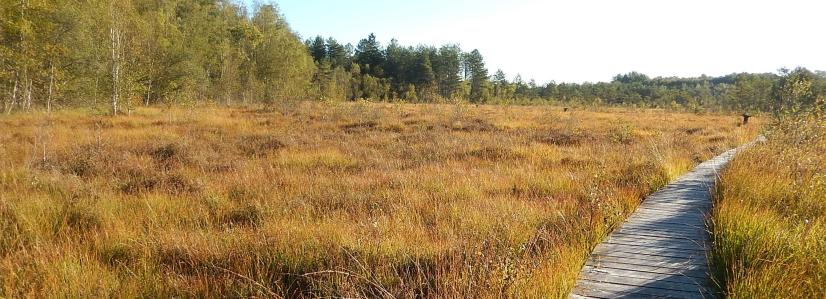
[(588, 40)]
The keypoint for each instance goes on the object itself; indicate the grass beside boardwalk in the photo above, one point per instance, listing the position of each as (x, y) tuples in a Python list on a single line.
[(770, 217), (329, 199)]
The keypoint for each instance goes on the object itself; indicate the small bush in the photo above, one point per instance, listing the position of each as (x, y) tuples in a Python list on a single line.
[(492, 153), (77, 217), (169, 155), (12, 236), (359, 126), (564, 138), (117, 254), (249, 215), (259, 145), (475, 125)]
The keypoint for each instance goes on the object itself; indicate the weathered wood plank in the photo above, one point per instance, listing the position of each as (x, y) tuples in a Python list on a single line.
[(611, 290), (651, 283), (631, 273), (655, 257), (664, 231), (665, 264), (667, 226), (674, 244), (641, 235), (690, 271)]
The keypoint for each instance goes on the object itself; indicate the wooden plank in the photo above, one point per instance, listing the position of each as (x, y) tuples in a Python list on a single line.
[(688, 215), (655, 257), (677, 205), (648, 233), (651, 283), (631, 273), (674, 209), (661, 210), (686, 230), (692, 220), (665, 264), (664, 231), (611, 290), (656, 242), (691, 271), (641, 235), (674, 244), (665, 224), (677, 253)]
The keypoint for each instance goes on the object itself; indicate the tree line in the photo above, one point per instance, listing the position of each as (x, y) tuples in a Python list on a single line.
[(431, 74), (125, 53)]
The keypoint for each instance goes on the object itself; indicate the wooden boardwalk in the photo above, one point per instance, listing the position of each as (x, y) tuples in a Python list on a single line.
[(660, 251)]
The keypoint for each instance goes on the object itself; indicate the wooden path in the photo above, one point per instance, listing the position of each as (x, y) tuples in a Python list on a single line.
[(660, 251)]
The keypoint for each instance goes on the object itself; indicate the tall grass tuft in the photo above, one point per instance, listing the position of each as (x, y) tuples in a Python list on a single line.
[(769, 224)]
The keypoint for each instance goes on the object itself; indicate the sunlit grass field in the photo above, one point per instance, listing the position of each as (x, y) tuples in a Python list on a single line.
[(770, 218), (332, 199)]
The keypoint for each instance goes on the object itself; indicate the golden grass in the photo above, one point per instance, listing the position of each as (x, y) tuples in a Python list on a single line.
[(329, 199), (770, 218)]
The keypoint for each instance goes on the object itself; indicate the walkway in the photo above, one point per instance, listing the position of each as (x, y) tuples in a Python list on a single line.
[(660, 251)]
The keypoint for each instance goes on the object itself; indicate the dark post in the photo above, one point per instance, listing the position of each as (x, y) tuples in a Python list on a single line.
[(746, 119)]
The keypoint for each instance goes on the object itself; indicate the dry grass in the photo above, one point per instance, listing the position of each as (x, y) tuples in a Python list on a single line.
[(329, 199), (770, 219)]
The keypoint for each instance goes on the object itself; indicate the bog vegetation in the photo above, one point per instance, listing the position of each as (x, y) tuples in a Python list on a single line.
[(770, 218), (329, 199)]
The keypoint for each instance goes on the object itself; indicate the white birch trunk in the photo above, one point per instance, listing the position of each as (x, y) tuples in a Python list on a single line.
[(28, 95), (148, 94), (115, 37), (10, 106), (51, 85)]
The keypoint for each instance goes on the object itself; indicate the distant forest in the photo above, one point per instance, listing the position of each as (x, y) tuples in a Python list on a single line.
[(121, 54)]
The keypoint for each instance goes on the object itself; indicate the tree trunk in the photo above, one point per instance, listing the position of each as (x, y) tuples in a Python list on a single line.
[(95, 93), (115, 37), (148, 94), (13, 96), (28, 95), (22, 52), (51, 85)]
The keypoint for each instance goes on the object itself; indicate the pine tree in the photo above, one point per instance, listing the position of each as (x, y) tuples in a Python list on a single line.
[(318, 48), (370, 55), (338, 54), (447, 67), (426, 78), (478, 74), (500, 85)]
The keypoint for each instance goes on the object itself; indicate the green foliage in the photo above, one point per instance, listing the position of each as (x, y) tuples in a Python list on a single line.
[(66, 52)]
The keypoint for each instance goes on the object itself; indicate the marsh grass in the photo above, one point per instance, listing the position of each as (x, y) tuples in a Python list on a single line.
[(770, 217), (329, 199)]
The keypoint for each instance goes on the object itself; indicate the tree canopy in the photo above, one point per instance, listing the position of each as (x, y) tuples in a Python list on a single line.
[(145, 52)]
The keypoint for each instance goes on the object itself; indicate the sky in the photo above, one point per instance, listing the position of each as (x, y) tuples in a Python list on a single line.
[(587, 40)]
